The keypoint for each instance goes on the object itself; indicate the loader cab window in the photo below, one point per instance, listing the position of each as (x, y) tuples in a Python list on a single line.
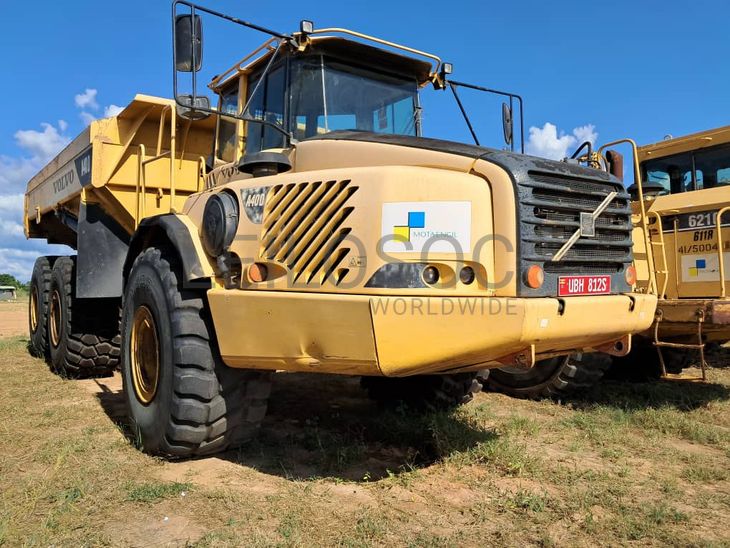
[(696, 170), (226, 140)]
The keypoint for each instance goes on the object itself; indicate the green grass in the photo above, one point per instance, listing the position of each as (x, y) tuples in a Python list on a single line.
[(152, 492), (644, 464)]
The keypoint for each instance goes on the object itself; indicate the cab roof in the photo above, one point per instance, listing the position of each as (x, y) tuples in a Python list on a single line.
[(351, 51), (677, 145)]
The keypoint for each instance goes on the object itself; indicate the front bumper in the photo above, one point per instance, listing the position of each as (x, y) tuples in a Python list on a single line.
[(399, 336)]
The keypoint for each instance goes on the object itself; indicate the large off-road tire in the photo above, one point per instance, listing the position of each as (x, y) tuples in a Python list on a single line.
[(83, 334), (642, 363), (40, 287), (182, 400), (431, 392), (552, 378)]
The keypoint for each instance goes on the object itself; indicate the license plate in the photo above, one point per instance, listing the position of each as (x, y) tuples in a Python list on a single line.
[(583, 285)]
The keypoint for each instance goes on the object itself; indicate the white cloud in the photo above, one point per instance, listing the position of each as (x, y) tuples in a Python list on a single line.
[(87, 99), (39, 147), (112, 110), (19, 262), (548, 143), (586, 133), (42, 145), (87, 118), (17, 255), (16, 172)]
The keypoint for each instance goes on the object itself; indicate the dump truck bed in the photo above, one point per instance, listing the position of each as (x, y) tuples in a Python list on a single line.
[(125, 165)]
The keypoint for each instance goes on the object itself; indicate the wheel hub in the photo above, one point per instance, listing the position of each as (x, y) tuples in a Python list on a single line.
[(55, 320), (34, 309), (144, 354)]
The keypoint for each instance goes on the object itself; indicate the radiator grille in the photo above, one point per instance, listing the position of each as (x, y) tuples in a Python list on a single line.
[(551, 207), (304, 229)]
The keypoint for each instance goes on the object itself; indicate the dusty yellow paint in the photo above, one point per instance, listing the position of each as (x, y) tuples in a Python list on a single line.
[(683, 299)]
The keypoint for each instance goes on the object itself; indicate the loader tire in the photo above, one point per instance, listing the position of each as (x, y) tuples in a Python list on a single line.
[(429, 392), (182, 400), (553, 378), (40, 287), (83, 334)]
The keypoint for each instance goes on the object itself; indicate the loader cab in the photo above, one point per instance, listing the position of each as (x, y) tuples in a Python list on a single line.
[(334, 84), (699, 161)]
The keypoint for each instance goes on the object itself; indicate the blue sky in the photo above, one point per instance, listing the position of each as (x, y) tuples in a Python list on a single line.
[(641, 69)]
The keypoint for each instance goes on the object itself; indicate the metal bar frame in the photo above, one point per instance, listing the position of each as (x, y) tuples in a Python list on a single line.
[(718, 223), (193, 8), (504, 94)]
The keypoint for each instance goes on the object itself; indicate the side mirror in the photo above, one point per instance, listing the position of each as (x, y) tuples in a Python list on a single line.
[(190, 110), (507, 123), (188, 44)]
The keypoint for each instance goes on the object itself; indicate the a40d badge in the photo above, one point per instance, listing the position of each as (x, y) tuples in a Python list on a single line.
[(253, 200)]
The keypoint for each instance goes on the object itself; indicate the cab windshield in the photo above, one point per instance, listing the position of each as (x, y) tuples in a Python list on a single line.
[(706, 168), (326, 95)]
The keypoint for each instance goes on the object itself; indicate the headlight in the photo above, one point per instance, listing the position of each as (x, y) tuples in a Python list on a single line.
[(220, 222)]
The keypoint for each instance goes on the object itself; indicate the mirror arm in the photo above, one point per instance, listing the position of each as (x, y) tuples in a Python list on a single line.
[(229, 18), (463, 113), (453, 83)]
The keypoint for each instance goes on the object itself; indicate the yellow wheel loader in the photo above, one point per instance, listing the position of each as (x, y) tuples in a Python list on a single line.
[(301, 222)]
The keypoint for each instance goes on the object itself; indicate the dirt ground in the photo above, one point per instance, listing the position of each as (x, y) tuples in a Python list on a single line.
[(623, 464), (13, 319)]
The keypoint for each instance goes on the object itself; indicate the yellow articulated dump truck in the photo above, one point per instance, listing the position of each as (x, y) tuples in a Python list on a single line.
[(300, 222), (686, 189)]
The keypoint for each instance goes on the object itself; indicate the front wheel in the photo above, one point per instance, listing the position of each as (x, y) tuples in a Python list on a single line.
[(182, 399), (551, 378)]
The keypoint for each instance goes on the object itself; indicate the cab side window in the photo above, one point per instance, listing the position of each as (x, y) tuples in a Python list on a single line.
[(226, 142), (267, 104)]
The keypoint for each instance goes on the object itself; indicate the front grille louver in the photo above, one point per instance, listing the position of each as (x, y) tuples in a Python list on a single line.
[(304, 229), (551, 207)]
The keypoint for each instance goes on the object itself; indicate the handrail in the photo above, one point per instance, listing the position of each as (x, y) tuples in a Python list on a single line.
[(720, 252), (140, 183), (236, 67), (665, 272), (642, 206), (201, 173), (142, 161), (338, 30)]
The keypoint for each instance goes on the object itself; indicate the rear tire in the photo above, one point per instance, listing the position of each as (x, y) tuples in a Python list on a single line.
[(40, 287), (182, 400), (552, 378), (431, 392), (83, 335)]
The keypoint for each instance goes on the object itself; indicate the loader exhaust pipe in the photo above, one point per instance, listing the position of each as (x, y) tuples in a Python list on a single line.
[(615, 164)]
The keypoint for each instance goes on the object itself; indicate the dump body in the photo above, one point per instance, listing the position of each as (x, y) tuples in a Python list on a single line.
[(122, 164)]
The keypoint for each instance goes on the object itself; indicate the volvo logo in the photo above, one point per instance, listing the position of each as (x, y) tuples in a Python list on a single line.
[(587, 225)]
